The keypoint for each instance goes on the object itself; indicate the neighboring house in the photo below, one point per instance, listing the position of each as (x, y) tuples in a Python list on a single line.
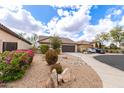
[(83, 45), (11, 41), (67, 44), (97, 44)]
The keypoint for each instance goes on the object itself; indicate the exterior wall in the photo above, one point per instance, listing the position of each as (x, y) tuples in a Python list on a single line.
[(5, 37), (0, 46), (62, 45), (80, 48)]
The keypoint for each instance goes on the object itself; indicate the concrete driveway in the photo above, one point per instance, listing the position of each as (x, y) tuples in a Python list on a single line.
[(111, 77)]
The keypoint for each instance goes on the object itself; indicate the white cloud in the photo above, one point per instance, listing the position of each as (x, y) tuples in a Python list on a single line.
[(122, 21), (67, 6), (17, 18), (70, 23), (117, 12), (104, 25), (74, 23), (62, 13)]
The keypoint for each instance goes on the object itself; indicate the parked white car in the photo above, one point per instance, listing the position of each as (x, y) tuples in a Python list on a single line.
[(91, 50)]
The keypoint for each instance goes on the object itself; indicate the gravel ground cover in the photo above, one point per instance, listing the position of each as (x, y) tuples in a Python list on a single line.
[(85, 76)]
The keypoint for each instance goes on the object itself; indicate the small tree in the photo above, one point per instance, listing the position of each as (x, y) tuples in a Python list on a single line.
[(55, 42), (33, 39), (117, 34), (101, 38)]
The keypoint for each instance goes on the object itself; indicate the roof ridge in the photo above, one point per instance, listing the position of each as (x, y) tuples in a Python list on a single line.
[(13, 33)]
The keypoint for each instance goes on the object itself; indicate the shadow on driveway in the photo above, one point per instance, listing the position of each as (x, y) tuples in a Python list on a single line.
[(116, 61)]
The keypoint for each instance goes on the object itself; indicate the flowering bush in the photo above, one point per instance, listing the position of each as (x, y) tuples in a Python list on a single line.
[(14, 64)]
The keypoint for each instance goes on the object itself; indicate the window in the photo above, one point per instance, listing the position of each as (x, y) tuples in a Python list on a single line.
[(9, 46)]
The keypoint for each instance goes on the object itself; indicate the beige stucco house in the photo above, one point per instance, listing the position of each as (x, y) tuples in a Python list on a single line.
[(67, 44), (9, 40)]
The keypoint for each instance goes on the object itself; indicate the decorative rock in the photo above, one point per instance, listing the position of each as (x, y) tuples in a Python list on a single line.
[(65, 57), (59, 78), (66, 75), (49, 83), (54, 77), (2, 85), (73, 78)]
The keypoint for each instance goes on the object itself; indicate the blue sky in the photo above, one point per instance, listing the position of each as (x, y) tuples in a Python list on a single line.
[(45, 13), (75, 22)]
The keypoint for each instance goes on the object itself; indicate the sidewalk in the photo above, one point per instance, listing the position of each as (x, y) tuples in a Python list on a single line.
[(110, 76)]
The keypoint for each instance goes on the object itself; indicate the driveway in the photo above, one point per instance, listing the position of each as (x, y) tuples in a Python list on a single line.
[(112, 77), (116, 61)]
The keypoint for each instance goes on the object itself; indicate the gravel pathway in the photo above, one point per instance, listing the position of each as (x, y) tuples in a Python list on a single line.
[(40, 72)]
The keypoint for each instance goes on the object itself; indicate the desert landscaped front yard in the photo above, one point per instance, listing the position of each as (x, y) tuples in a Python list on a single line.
[(61, 46), (39, 71)]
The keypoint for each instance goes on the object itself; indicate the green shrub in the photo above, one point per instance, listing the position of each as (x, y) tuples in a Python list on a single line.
[(122, 51), (14, 64), (4, 54), (11, 72), (51, 57), (58, 68), (12, 68), (114, 50), (44, 48), (113, 46)]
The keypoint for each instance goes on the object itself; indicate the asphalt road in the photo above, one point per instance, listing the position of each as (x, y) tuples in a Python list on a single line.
[(116, 61)]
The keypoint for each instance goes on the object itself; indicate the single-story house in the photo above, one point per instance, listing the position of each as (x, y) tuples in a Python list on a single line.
[(67, 44), (9, 40), (83, 45)]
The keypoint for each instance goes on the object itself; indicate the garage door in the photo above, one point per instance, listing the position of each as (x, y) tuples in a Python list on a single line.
[(67, 48), (9, 46)]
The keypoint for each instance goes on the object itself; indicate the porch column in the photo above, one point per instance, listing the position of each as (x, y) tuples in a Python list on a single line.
[(60, 49), (75, 48)]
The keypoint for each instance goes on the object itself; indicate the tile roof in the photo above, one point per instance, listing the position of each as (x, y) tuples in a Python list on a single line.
[(45, 39), (83, 42), (7, 30)]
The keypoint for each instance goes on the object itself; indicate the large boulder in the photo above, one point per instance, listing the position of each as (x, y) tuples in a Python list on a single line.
[(59, 78), (66, 75), (54, 77)]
